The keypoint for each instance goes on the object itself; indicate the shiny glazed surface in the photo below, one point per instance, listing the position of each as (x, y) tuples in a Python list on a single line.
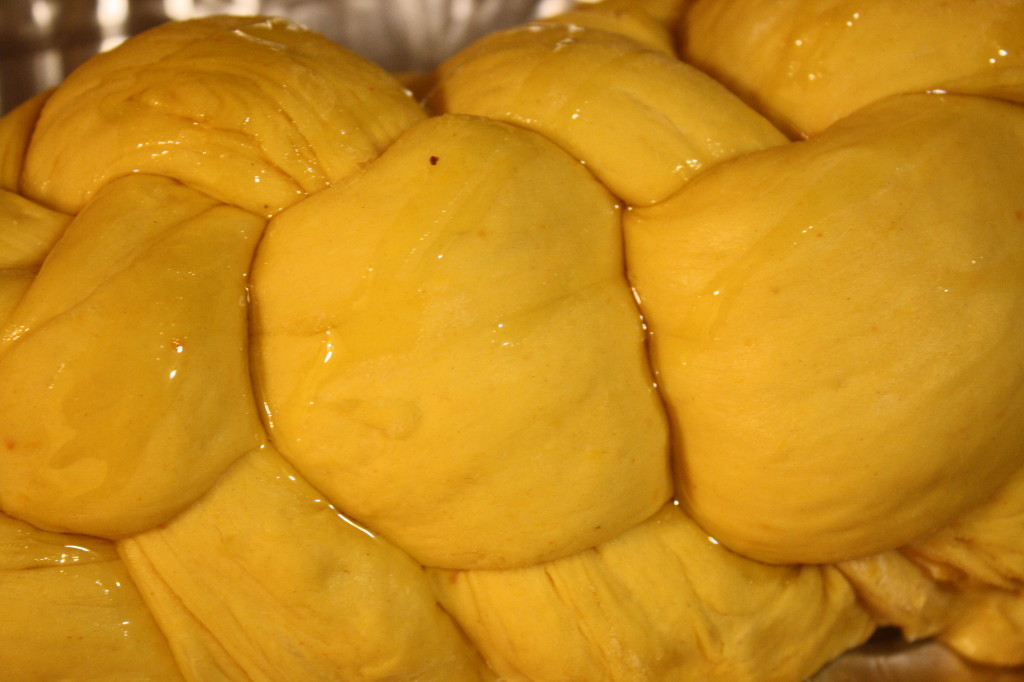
[(337, 462)]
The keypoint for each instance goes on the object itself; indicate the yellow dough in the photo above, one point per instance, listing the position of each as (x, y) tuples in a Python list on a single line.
[(124, 375), (255, 112), (27, 233), (70, 612), (981, 554), (662, 601), (841, 350), (654, 341), (641, 120), (626, 17), (942, 589), (461, 365), (805, 65), (317, 596), (15, 131)]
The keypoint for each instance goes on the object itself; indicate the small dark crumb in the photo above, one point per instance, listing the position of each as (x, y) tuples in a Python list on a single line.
[(434, 160)]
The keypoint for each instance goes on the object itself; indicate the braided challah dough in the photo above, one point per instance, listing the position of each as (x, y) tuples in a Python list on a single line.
[(655, 341)]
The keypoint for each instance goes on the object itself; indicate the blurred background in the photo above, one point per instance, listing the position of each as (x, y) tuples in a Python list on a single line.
[(41, 41)]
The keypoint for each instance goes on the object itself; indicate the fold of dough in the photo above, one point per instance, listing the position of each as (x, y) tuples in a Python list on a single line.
[(662, 601), (641, 120), (805, 65), (255, 111), (124, 368), (449, 350), (837, 326), (263, 579), (27, 233), (71, 612)]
